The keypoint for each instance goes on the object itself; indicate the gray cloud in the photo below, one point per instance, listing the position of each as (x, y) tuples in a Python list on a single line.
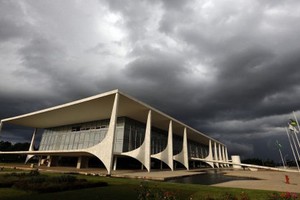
[(230, 69), (11, 26)]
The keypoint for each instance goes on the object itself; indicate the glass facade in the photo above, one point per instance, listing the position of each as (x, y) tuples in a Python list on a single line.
[(130, 135), (197, 150), (79, 136), (134, 134), (159, 140), (177, 144)]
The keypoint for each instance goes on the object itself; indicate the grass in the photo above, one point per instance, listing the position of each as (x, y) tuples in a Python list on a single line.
[(121, 188), (34, 181)]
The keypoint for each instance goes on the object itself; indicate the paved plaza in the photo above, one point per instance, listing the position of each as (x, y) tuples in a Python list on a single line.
[(268, 180)]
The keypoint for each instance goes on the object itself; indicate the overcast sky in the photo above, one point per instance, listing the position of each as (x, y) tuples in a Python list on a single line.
[(229, 68)]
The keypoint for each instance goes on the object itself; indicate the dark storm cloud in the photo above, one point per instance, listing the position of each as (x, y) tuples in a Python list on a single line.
[(156, 67), (11, 27), (256, 78), (254, 56), (230, 69)]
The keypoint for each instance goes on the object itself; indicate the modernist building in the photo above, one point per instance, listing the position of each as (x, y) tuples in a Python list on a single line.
[(113, 125)]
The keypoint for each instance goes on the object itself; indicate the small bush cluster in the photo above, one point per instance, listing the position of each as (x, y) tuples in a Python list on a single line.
[(41, 183), (228, 196), (283, 196), (154, 193), (53, 186), (22, 174), (146, 192)]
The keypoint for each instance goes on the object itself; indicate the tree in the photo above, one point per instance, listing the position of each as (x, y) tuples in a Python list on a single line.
[(8, 146)]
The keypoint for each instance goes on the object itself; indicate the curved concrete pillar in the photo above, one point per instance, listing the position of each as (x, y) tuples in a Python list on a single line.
[(104, 150), (182, 157), (209, 158), (226, 156), (216, 154), (167, 154), (31, 147), (220, 155), (223, 155), (143, 153)]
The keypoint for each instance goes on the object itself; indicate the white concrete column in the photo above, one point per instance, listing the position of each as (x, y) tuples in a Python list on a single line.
[(82, 162), (167, 154), (209, 158), (31, 147), (115, 163), (147, 161), (223, 155), (143, 153), (53, 161), (170, 146), (182, 157), (185, 150), (49, 159), (104, 150), (111, 134), (216, 154), (226, 156), (78, 166), (220, 155), (39, 162)]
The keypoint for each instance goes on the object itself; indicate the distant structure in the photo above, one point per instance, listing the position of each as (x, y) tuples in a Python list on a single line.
[(114, 125)]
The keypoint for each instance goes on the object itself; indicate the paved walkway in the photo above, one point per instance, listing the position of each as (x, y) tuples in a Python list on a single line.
[(269, 180)]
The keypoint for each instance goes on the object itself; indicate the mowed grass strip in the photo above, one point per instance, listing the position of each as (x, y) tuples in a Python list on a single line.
[(121, 188)]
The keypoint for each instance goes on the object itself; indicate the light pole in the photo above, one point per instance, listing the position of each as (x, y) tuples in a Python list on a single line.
[(287, 132), (279, 149), (284, 159)]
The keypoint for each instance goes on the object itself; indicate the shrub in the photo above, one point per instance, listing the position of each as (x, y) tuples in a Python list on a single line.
[(283, 196), (34, 181), (42, 183), (64, 179), (52, 187), (154, 193), (244, 196), (14, 174), (226, 196), (229, 196)]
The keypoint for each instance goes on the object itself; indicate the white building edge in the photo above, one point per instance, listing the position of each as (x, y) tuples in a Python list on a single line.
[(156, 135)]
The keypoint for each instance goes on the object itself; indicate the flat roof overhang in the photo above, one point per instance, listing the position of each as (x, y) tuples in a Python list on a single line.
[(84, 110), (51, 153), (99, 107)]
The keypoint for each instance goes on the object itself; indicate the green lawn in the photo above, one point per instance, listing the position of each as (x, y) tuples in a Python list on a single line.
[(121, 188)]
